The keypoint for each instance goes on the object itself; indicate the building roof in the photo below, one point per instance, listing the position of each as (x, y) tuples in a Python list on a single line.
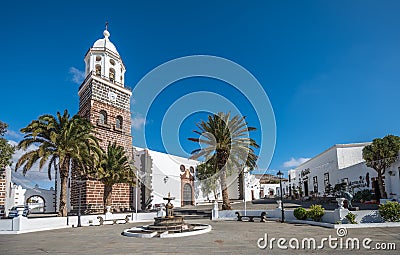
[(105, 43), (347, 145), (268, 178)]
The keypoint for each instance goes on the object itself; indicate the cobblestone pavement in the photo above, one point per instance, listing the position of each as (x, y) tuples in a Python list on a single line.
[(227, 237)]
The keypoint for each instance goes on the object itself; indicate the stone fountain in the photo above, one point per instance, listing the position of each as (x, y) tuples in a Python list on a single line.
[(169, 225)]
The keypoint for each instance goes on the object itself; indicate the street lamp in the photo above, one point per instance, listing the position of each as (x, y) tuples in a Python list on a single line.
[(280, 175)]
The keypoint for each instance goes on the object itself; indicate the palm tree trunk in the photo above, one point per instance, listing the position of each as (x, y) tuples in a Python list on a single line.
[(226, 204), (107, 195), (380, 184), (64, 170)]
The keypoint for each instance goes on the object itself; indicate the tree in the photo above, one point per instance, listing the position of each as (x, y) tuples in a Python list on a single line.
[(225, 142), (207, 174), (380, 155), (114, 167), (62, 142), (6, 149)]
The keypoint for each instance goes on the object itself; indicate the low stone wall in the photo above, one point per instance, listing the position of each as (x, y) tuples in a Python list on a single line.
[(275, 214), (21, 224), (364, 216), (6, 225)]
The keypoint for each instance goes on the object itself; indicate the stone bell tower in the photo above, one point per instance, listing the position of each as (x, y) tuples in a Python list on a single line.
[(105, 101)]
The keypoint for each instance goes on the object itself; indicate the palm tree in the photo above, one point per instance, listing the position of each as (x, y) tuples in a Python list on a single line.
[(114, 167), (62, 141), (227, 145)]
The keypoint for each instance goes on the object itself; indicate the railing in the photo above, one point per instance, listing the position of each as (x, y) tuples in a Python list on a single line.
[(104, 78)]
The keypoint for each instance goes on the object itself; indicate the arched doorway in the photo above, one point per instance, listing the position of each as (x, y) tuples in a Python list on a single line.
[(187, 184), (36, 204), (187, 194)]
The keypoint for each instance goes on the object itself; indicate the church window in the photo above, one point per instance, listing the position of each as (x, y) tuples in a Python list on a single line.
[(98, 70), (98, 58), (112, 75), (112, 62), (103, 117), (118, 122)]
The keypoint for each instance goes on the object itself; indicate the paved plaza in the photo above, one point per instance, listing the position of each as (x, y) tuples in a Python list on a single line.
[(227, 237)]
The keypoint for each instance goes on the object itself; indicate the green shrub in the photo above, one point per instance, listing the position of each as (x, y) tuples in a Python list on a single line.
[(390, 211), (365, 195), (300, 213), (316, 212), (351, 217)]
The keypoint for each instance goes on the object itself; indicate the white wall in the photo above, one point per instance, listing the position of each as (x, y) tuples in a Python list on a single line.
[(392, 181), (340, 161), (9, 202), (47, 195), (166, 176), (166, 165), (275, 188)]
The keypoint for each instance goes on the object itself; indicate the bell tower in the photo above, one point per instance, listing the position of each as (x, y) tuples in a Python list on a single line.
[(105, 102)]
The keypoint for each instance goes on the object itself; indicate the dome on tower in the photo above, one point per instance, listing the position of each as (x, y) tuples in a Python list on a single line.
[(105, 43)]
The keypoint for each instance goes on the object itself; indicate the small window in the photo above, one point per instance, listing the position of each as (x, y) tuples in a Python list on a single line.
[(112, 61), (98, 70), (112, 75), (98, 58), (118, 122), (103, 117)]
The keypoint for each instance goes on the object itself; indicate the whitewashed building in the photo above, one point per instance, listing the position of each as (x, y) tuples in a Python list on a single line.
[(162, 173), (342, 163), (17, 195)]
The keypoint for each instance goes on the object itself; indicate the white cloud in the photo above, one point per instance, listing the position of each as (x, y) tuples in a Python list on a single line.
[(77, 75), (138, 122), (34, 175), (13, 134), (293, 162)]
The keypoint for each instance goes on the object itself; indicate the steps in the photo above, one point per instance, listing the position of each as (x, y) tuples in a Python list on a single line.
[(191, 214)]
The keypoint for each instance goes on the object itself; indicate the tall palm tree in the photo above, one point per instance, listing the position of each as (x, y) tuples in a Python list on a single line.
[(114, 167), (226, 144), (62, 141)]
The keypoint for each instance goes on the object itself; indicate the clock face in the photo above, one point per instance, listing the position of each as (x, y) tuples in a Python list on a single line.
[(112, 96)]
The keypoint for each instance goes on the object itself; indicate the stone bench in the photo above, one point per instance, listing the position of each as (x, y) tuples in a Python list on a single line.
[(262, 217), (114, 221)]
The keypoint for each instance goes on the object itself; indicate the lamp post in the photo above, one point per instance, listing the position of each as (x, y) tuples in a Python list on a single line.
[(280, 175), (244, 192)]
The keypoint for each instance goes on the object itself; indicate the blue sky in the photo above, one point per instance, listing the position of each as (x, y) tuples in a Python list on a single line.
[(329, 68)]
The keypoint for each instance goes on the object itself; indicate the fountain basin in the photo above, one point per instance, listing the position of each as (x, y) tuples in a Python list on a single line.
[(148, 232)]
